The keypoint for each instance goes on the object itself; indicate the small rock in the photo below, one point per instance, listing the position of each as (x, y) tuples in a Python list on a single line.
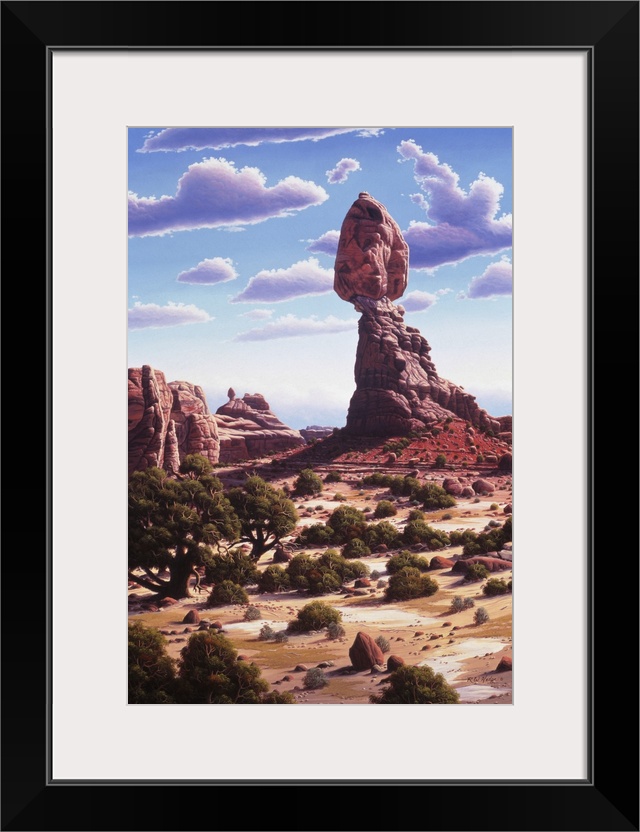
[(300, 668), (167, 602), (504, 664), (394, 662)]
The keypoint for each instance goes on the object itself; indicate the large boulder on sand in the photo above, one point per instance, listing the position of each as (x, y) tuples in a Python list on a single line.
[(504, 664), (192, 617), (438, 562), (492, 564), (452, 486), (482, 487), (365, 653), (394, 662)]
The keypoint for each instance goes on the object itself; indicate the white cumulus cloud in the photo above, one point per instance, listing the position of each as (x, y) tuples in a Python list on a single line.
[(340, 173), (290, 326), (496, 280), (147, 315), (326, 243), (210, 271), (306, 277)]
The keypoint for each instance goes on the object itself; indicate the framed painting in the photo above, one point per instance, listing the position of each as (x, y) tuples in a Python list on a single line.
[(561, 80)]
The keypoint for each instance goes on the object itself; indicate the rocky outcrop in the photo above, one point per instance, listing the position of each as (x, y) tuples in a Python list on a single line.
[(150, 401), (167, 421), (397, 386), (365, 653), (482, 487), (248, 429), (492, 564), (439, 562), (315, 432)]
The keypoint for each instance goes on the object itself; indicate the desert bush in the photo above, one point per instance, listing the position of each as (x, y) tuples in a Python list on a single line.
[(494, 507), (447, 516), (409, 583), (479, 459), (374, 575), (383, 532), (315, 679), (415, 686), (495, 586), (316, 535), (432, 497), (236, 566), (335, 631), (381, 583), (274, 579), (227, 593), (281, 637), (333, 476), (252, 613), (346, 522), (476, 572), (481, 616), (415, 514), (356, 548), (307, 483), (385, 509), (383, 644), (151, 670), (440, 462), (278, 697), (339, 497), (267, 633), (458, 604), (399, 561), (314, 616)]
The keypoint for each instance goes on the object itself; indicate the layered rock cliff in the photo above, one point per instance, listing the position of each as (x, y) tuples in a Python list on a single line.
[(248, 429), (167, 421)]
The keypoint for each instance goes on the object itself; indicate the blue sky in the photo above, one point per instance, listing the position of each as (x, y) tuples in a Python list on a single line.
[(232, 239)]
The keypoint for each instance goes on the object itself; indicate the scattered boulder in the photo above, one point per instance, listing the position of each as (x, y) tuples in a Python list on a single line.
[(192, 617), (167, 602), (452, 486), (365, 653), (394, 662), (508, 509), (217, 625), (506, 462), (504, 664), (300, 668), (287, 678), (483, 487), (279, 554), (362, 582), (440, 562), (325, 664), (467, 492)]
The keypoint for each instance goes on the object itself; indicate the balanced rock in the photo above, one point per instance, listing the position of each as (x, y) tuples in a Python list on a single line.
[(373, 258), (394, 662), (397, 386), (365, 653)]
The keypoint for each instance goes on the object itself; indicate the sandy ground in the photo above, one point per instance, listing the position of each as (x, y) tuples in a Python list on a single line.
[(421, 631)]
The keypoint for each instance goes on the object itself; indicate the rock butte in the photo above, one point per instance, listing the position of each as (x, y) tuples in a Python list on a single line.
[(398, 388), (167, 421)]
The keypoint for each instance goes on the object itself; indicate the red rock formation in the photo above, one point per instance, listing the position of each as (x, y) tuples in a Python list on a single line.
[(438, 562), (372, 259), (504, 664), (482, 487), (150, 401), (397, 386), (192, 617), (492, 564), (394, 662), (365, 653), (247, 429)]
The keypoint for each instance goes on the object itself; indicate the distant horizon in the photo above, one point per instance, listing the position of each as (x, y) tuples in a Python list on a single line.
[(233, 233)]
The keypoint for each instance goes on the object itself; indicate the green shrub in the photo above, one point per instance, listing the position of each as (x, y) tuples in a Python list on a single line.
[(227, 593), (399, 561), (385, 509), (236, 567), (409, 583), (383, 532), (440, 462), (333, 476), (494, 507), (314, 616), (335, 631), (383, 644), (267, 633), (274, 579), (281, 637), (415, 514), (495, 586), (447, 516), (151, 670), (416, 686), (315, 679), (316, 535), (476, 572), (479, 459), (307, 483), (375, 575), (432, 497), (418, 531), (356, 548), (481, 616), (278, 697), (346, 522), (252, 613), (459, 604)]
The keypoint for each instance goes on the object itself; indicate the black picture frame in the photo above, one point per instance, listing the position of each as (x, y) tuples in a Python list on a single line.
[(608, 798)]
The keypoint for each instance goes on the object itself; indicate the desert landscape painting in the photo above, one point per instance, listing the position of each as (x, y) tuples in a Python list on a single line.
[(320, 434)]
